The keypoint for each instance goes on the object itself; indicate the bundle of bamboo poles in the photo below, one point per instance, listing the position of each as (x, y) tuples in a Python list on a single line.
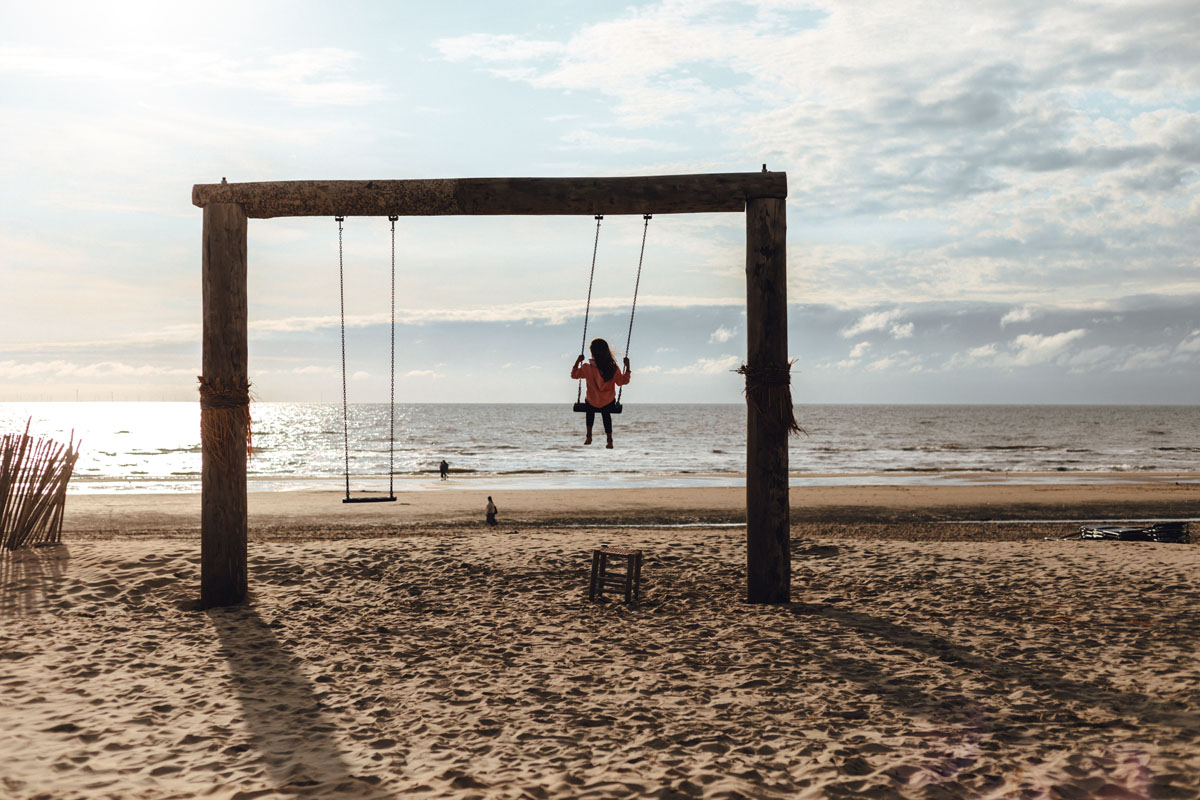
[(33, 488)]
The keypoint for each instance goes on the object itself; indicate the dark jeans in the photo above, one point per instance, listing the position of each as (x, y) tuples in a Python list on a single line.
[(604, 416)]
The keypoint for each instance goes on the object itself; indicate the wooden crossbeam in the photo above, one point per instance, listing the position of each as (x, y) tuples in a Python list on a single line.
[(652, 194)]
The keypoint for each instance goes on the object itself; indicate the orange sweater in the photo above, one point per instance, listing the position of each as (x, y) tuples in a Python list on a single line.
[(599, 391)]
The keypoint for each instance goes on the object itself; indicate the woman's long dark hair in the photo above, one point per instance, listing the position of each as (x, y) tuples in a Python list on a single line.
[(602, 355)]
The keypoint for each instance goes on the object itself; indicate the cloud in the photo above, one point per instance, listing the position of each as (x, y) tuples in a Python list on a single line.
[(902, 358), (1023, 314), (707, 366), (721, 335), (311, 369), (314, 76), (495, 47), (974, 356), (1144, 359), (13, 370), (590, 140), (959, 336), (880, 321), (635, 59), (1028, 350), (989, 170), (360, 375), (1090, 357), (424, 373), (981, 352), (875, 321), (548, 312), (1027, 156), (1190, 343)]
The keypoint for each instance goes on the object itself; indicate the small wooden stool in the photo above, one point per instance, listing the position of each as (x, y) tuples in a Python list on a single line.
[(630, 580)]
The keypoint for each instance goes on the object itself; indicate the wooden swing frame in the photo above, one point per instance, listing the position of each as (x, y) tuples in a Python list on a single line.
[(229, 206)]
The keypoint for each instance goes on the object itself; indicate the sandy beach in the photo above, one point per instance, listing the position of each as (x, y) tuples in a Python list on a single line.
[(937, 646), (908, 510)]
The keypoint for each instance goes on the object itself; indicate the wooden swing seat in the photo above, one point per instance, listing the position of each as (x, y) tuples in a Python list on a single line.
[(612, 408)]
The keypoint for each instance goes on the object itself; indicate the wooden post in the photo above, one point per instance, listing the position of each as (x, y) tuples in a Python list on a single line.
[(768, 524), (224, 360)]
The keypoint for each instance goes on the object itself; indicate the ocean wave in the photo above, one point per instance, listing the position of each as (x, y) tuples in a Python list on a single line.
[(934, 470), (1020, 447)]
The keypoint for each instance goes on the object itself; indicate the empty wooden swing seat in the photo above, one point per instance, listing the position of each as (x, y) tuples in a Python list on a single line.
[(628, 581)]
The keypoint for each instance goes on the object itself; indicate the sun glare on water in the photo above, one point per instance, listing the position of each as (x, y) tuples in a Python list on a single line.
[(124, 436)]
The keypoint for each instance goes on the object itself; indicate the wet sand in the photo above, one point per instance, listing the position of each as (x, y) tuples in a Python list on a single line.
[(460, 503), (407, 650)]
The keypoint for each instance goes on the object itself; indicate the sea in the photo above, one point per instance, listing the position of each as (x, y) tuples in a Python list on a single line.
[(155, 447)]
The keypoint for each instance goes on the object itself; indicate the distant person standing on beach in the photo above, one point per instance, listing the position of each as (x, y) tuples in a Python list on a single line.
[(602, 378), (444, 468), (491, 511)]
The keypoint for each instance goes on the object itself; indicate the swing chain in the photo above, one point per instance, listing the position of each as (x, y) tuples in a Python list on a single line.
[(345, 403), (588, 308), (345, 398), (636, 284)]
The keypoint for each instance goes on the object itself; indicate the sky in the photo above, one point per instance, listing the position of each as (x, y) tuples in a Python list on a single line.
[(989, 202)]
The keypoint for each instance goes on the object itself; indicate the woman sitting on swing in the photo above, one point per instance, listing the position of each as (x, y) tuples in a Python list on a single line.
[(603, 378)]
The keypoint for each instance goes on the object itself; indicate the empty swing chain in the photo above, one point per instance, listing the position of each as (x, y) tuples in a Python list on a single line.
[(392, 407), (345, 405), (588, 308), (636, 284)]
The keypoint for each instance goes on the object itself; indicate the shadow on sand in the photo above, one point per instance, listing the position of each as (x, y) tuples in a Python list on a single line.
[(1009, 676), (1112, 722), (283, 710), (30, 577)]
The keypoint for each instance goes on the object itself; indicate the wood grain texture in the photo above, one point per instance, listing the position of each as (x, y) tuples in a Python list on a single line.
[(768, 560), (653, 194), (224, 359)]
